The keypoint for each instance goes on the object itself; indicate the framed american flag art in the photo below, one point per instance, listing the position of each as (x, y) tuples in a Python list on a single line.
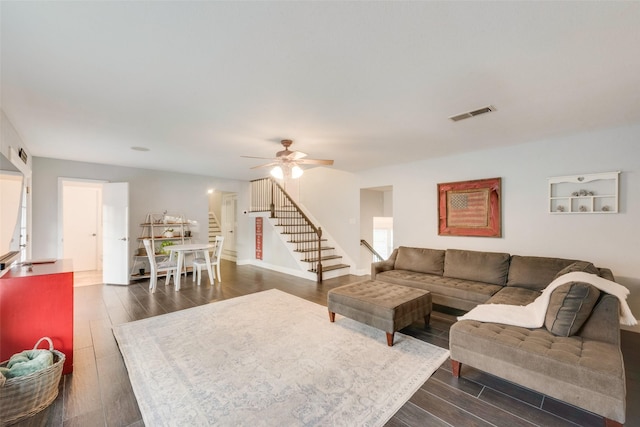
[(470, 208)]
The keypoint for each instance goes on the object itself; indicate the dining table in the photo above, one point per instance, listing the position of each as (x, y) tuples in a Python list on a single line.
[(182, 250)]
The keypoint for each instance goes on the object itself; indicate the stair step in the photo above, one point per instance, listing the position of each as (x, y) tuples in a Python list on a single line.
[(324, 248), (330, 268), (298, 232), (324, 258), (306, 241)]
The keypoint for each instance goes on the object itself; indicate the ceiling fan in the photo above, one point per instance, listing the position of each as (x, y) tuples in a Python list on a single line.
[(287, 163)]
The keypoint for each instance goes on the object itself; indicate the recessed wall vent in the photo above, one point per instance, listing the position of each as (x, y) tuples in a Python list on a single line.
[(473, 113)]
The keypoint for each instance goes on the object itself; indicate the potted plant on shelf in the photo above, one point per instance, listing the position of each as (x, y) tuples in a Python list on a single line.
[(163, 245), (168, 232)]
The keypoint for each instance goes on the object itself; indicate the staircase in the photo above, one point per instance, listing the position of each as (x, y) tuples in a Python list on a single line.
[(214, 228), (296, 228)]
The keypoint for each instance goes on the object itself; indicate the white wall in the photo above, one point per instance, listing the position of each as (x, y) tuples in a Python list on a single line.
[(9, 138), (274, 250), (388, 203), (149, 191), (333, 198)]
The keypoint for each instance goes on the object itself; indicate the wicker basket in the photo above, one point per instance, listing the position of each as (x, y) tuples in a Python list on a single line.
[(22, 397)]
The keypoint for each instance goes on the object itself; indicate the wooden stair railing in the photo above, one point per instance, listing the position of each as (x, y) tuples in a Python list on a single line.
[(376, 255), (268, 196)]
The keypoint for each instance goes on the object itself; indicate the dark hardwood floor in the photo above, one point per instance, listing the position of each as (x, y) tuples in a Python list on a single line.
[(99, 393)]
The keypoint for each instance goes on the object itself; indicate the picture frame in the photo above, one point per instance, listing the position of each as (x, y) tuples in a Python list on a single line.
[(470, 208)]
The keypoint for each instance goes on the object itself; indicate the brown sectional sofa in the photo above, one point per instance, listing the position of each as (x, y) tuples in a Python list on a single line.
[(584, 369)]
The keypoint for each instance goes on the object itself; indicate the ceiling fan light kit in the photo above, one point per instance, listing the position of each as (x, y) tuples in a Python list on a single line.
[(287, 163), (277, 172), (296, 172), (286, 171)]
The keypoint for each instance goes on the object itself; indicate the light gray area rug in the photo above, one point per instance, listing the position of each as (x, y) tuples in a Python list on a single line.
[(269, 359)]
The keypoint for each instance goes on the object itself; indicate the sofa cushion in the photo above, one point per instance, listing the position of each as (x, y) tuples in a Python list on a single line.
[(570, 306), (459, 289), (582, 266), (486, 267), (534, 272), (514, 296), (430, 261)]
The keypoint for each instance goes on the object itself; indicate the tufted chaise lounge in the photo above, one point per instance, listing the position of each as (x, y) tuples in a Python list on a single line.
[(585, 370)]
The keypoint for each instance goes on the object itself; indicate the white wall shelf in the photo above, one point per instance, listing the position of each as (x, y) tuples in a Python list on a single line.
[(595, 193)]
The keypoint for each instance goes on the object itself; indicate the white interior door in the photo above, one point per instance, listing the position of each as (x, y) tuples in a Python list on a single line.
[(115, 227), (81, 224), (229, 223)]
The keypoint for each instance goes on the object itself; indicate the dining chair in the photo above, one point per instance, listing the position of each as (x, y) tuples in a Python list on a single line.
[(168, 267), (201, 262)]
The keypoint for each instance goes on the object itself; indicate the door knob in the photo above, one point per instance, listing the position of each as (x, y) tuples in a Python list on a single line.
[(124, 238)]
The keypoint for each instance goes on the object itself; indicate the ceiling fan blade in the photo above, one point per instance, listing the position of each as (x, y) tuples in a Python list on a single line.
[(266, 165), (289, 159), (315, 162), (254, 157)]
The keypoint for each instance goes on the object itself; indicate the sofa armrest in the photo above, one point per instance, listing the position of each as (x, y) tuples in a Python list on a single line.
[(606, 273), (604, 322), (386, 265)]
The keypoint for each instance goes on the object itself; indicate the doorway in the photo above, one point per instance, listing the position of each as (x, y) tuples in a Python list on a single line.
[(229, 225), (82, 224), (376, 223), (223, 221), (94, 230)]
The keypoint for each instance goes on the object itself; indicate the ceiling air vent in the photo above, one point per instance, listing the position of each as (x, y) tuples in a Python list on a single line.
[(473, 113)]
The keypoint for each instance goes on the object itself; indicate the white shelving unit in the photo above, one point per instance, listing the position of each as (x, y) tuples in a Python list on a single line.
[(595, 193), (155, 228)]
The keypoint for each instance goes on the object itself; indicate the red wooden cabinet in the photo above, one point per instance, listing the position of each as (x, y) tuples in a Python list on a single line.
[(36, 304)]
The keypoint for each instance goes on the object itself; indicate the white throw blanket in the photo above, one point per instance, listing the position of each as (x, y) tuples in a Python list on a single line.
[(533, 315)]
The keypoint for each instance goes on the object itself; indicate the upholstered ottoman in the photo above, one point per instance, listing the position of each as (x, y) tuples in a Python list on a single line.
[(382, 305)]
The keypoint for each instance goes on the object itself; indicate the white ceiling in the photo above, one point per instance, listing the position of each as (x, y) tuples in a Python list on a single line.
[(364, 83)]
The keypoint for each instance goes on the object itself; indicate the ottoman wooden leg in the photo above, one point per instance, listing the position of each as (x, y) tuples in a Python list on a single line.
[(390, 339), (427, 319), (455, 368), (332, 316)]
